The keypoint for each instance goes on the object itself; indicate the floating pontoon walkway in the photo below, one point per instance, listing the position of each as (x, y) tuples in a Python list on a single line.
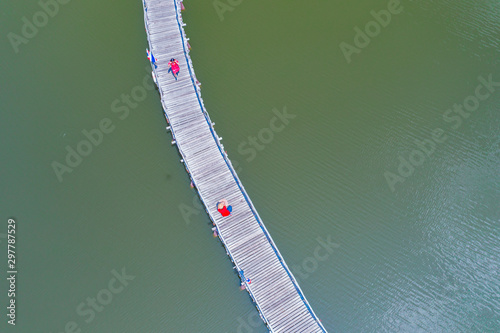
[(276, 293)]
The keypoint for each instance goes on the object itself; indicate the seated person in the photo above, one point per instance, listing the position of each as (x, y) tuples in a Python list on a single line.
[(224, 208)]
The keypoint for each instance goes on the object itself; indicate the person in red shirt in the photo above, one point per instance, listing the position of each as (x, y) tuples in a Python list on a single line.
[(173, 65), (224, 208)]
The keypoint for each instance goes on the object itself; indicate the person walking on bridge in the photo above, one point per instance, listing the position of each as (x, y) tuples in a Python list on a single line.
[(173, 66)]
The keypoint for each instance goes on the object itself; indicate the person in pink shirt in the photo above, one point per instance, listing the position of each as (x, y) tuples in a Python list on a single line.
[(173, 66)]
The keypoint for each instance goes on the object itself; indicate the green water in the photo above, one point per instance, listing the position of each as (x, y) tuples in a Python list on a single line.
[(420, 257)]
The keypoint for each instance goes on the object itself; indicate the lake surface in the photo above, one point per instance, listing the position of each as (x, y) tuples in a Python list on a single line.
[(373, 159)]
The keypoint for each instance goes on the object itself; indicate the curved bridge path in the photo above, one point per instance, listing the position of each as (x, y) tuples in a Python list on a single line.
[(276, 293)]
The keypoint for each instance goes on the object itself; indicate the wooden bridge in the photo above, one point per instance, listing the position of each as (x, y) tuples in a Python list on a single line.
[(273, 288)]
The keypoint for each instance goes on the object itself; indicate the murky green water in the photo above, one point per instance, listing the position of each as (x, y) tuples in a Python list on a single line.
[(420, 255)]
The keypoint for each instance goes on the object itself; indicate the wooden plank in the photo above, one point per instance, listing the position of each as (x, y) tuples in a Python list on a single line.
[(273, 288)]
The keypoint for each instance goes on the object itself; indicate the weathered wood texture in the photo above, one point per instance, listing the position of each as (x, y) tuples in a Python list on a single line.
[(276, 293)]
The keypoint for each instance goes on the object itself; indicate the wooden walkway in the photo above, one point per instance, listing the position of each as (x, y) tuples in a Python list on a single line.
[(276, 293)]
